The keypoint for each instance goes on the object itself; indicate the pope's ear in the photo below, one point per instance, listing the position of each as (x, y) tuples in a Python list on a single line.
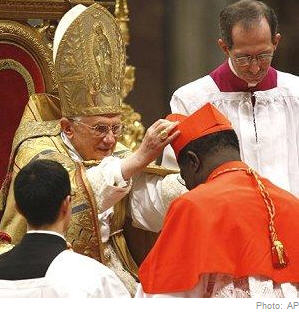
[(193, 160), (66, 127)]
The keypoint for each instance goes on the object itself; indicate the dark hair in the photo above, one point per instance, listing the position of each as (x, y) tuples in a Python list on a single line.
[(39, 190), (210, 144), (246, 12)]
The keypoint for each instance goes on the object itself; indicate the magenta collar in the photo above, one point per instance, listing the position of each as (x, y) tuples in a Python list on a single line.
[(227, 81)]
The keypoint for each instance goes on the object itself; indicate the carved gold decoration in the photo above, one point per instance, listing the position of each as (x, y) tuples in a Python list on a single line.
[(31, 40), (128, 81), (122, 15), (47, 30), (90, 64), (9, 64), (134, 130), (41, 9)]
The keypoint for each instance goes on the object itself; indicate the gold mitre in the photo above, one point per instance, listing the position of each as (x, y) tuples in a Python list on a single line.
[(89, 56)]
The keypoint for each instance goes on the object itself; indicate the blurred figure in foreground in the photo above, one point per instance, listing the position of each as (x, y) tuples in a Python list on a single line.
[(41, 265)]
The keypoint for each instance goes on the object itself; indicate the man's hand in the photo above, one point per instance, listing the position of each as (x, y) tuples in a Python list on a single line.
[(156, 138)]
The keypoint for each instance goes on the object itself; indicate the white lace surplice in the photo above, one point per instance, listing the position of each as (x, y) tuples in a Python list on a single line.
[(224, 286)]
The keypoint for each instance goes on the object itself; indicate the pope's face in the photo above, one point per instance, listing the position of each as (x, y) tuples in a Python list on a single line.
[(88, 141), (255, 44)]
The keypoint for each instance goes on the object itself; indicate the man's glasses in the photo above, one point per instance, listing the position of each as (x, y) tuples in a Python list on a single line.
[(102, 130), (262, 58)]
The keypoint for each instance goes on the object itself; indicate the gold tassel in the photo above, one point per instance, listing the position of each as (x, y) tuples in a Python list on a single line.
[(279, 257)]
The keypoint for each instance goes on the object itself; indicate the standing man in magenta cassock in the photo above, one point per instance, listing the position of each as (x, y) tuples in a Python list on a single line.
[(234, 234), (261, 102)]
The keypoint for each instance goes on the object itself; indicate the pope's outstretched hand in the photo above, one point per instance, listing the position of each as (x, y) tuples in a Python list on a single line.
[(156, 138)]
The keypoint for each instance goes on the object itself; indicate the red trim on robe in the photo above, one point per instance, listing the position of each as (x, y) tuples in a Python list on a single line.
[(227, 81), (221, 226)]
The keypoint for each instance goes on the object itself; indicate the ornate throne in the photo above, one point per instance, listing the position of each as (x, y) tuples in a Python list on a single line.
[(26, 33)]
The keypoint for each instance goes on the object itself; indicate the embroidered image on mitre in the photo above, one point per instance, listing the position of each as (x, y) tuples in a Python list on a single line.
[(89, 56)]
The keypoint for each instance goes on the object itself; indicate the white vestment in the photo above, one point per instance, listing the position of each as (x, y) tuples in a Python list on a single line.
[(268, 132), (69, 275), (224, 286)]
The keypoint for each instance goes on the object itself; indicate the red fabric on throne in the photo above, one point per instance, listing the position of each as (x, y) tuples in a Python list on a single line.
[(20, 74)]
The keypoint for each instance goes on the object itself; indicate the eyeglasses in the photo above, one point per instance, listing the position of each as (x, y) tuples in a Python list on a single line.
[(103, 130), (262, 58)]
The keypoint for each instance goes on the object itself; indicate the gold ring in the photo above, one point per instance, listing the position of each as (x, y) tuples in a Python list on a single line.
[(163, 135)]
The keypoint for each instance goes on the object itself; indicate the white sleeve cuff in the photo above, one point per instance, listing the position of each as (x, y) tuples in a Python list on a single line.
[(108, 187)]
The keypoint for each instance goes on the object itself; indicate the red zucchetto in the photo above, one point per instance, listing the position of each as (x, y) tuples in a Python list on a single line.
[(205, 121)]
